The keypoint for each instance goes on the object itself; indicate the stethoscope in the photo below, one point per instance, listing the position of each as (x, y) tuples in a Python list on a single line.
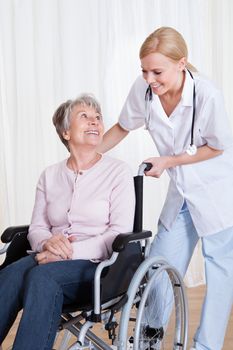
[(192, 149)]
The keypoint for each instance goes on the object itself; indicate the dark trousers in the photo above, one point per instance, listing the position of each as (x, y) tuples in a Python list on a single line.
[(40, 290)]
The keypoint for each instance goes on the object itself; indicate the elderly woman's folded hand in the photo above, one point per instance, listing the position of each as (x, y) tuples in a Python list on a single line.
[(59, 245), (46, 257)]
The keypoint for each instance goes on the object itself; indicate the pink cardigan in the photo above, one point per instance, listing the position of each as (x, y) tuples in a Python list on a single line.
[(94, 206)]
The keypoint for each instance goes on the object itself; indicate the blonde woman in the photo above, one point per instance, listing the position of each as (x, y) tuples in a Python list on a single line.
[(184, 114)]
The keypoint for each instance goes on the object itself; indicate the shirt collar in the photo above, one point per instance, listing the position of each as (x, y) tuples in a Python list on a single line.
[(187, 93)]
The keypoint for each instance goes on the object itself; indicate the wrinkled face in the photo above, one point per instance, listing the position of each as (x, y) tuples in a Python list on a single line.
[(86, 127), (162, 73)]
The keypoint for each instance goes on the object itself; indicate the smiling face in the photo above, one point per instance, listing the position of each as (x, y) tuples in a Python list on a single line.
[(86, 127), (162, 74)]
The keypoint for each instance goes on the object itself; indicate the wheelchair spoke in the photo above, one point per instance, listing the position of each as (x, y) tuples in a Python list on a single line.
[(160, 318)]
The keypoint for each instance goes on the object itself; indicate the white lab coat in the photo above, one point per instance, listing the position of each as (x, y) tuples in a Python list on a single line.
[(206, 186)]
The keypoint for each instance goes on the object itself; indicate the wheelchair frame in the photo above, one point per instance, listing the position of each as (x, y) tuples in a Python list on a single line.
[(86, 339)]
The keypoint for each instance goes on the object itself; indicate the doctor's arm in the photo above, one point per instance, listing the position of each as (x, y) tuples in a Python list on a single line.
[(112, 137), (164, 162), (215, 129)]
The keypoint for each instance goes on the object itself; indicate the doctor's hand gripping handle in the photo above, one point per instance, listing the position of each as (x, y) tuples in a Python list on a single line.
[(144, 167)]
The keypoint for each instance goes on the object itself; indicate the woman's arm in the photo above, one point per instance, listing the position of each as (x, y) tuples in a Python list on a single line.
[(112, 137), (132, 116), (40, 236), (165, 162)]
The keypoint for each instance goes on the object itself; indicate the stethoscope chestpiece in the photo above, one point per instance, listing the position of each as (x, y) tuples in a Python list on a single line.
[(191, 150)]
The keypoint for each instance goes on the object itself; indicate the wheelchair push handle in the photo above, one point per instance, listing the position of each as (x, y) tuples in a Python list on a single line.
[(144, 167), (138, 184)]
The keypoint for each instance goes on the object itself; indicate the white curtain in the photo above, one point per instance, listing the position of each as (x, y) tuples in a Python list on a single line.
[(52, 50)]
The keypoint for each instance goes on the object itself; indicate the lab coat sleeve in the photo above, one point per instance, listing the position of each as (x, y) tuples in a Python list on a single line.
[(132, 115), (39, 230), (121, 216), (215, 127)]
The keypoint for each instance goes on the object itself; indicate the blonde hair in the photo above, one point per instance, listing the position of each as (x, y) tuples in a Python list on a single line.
[(167, 41)]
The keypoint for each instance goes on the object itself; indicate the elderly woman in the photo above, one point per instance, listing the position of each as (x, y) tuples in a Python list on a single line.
[(81, 205)]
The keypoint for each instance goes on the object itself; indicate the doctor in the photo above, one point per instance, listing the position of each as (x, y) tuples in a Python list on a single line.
[(186, 118)]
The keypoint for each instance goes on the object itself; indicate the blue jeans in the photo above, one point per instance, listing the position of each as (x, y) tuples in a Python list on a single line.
[(40, 290), (177, 247)]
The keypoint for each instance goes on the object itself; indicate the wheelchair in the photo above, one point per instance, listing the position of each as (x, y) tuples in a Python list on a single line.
[(122, 295)]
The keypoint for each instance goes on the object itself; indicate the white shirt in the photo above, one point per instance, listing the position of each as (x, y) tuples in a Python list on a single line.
[(206, 186)]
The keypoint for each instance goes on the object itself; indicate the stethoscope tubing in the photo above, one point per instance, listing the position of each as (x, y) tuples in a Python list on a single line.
[(148, 99)]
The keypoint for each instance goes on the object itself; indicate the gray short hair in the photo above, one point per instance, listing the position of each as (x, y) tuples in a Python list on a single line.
[(61, 117)]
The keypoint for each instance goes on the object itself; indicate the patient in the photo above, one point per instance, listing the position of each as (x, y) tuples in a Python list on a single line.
[(81, 205)]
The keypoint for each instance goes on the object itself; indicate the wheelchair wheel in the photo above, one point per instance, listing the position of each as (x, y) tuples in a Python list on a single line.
[(156, 314)]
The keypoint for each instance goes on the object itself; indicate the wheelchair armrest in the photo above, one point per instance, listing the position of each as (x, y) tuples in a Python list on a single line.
[(127, 259), (121, 240), (12, 231)]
